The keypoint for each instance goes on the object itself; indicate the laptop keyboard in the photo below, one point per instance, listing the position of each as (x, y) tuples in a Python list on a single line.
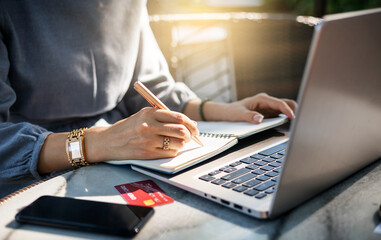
[(254, 176)]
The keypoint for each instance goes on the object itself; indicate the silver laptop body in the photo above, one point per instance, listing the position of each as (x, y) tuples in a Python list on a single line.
[(337, 130)]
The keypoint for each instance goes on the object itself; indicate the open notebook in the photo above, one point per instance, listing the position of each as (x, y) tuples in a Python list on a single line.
[(216, 137)]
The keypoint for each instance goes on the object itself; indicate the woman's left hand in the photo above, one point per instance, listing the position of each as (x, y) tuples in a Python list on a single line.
[(251, 109)]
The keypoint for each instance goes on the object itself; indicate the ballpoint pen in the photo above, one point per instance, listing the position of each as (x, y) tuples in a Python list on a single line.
[(155, 102)]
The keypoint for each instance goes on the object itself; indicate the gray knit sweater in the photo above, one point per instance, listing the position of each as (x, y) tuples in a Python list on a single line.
[(67, 64)]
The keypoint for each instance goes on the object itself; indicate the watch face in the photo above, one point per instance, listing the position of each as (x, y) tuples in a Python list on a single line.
[(75, 149)]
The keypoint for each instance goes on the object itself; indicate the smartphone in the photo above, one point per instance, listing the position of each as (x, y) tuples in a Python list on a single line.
[(85, 215)]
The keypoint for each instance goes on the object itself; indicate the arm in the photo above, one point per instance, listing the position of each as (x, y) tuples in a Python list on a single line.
[(31, 150), (137, 137), (251, 109), (20, 143)]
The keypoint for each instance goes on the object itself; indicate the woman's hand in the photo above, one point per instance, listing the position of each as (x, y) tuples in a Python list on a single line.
[(251, 109), (140, 136), (254, 109)]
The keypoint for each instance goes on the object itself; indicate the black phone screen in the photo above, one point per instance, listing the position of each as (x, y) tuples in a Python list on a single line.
[(111, 218)]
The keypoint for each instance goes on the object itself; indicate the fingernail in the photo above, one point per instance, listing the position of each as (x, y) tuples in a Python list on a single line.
[(258, 118), (292, 116)]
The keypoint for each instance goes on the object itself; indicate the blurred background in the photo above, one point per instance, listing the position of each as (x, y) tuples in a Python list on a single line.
[(226, 50)]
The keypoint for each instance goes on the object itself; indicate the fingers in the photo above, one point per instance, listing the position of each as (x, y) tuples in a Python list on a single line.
[(253, 117), (176, 123), (282, 106), (272, 104), (174, 143), (162, 123), (155, 147), (141, 136), (291, 103)]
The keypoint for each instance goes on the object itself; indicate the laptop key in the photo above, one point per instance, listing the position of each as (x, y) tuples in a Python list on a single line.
[(277, 156), (282, 152), (206, 178), (260, 163), (214, 173), (257, 156), (277, 170), (262, 178), (240, 189), (244, 178), (258, 171), (275, 164), (270, 191), (235, 174), (264, 186), (229, 170), (274, 149), (252, 166), (280, 160), (248, 160), (268, 159), (234, 164), (272, 174), (219, 181), (267, 168), (229, 185), (275, 179), (224, 168), (261, 195), (251, 192), (251, 183)]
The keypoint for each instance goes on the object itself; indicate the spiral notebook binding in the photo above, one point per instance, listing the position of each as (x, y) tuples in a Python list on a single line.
[(217, 135)]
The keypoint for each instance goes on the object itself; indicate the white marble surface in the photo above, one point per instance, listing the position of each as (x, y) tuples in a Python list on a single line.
[(346, 211)]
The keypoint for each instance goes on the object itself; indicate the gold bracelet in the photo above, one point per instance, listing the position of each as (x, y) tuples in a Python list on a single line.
[(75, 148)]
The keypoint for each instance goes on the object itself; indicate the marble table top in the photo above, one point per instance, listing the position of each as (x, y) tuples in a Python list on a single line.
[(346, 211)]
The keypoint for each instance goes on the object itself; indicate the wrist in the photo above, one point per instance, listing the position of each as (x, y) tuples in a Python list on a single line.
[(201, 109), (94, 146), (214, 111), (75, 148)]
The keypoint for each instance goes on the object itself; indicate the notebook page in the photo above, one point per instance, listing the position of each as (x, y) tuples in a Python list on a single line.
[(240, 129), (189, 155), (194, 152)]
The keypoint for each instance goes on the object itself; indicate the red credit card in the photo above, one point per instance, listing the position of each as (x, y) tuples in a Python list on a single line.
[(143, 193)]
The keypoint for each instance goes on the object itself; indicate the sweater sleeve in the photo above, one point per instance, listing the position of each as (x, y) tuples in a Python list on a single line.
[(20, 143), (151, 68), (20, 146)]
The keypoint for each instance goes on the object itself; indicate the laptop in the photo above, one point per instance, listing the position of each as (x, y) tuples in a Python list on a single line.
[(336, 132)]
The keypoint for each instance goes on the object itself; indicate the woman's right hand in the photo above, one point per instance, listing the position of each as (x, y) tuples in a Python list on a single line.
[(140, 136)]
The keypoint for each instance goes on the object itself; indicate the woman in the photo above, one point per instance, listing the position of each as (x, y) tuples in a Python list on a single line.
[(66, 65)]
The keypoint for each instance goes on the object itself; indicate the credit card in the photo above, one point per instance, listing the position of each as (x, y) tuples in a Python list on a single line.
[(143, 193)]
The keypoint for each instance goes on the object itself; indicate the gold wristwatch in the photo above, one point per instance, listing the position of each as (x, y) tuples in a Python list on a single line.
[(75, 148)]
